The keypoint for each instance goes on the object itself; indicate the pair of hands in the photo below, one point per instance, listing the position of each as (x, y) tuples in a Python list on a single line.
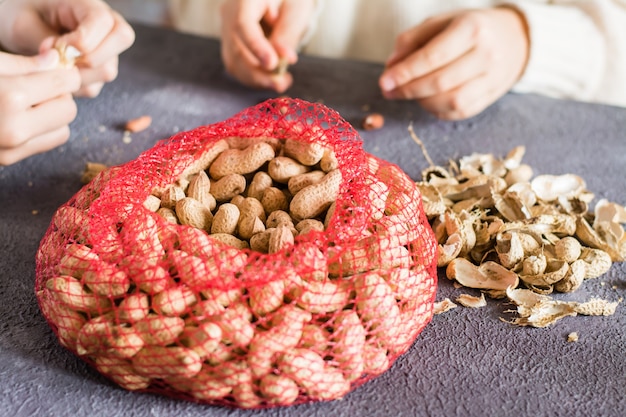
[(36, 95), (454, 65)]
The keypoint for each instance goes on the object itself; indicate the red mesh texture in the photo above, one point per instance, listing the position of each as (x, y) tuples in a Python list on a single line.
[(266, 260)]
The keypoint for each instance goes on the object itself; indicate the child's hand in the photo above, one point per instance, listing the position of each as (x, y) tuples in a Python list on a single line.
[(457, 64), (36, 104), (99, 33), (257, 34)]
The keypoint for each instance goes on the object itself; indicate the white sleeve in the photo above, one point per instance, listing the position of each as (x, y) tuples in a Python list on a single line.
[(203, 17), (312, 28), (577, 49), (200, 17)]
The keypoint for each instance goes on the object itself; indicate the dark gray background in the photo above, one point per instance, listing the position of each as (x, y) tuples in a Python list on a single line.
[(466, 362)]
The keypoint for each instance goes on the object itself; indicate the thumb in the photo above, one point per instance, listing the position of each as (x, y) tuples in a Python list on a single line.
[(20, 65), (290, 26), (92, 30)]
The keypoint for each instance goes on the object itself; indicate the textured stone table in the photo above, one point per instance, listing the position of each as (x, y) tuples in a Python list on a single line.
[(467, 362)]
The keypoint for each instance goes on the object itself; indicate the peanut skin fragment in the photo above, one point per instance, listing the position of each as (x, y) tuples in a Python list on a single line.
[(138, 124), (373, 121)]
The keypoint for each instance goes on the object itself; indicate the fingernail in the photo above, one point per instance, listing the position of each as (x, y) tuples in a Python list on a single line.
[(387, 84), (49, 59)]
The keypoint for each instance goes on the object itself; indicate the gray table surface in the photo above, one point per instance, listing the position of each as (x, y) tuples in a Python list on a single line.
[(466, 362)]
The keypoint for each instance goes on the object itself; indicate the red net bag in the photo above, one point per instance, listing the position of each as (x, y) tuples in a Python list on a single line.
[(265, 260)]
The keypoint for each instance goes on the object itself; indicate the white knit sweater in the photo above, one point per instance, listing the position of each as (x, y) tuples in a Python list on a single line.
[(577, 51)]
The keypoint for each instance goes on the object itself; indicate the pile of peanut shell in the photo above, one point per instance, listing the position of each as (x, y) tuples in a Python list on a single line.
[(511, 235)]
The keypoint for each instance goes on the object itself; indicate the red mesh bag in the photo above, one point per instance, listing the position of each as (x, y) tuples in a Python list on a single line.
[(266, 260)]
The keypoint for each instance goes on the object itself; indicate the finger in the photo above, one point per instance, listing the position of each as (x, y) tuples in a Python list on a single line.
[(444, 48), (464, 101), (235, 52), (36, 121), (258, 78), (30, 90), (251, 33), (271, 15), (233, 47), (90, 90), (122, 36), (416, 37), (289, 28), (281, 83), (243, 65), (467, 67), (237, 64), (32, 29), (91, 30), (39, 144), (106, 72), (47, 44), (20, 65)]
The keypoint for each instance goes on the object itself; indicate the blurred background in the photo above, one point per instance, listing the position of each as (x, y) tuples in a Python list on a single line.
[(145, 11)]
